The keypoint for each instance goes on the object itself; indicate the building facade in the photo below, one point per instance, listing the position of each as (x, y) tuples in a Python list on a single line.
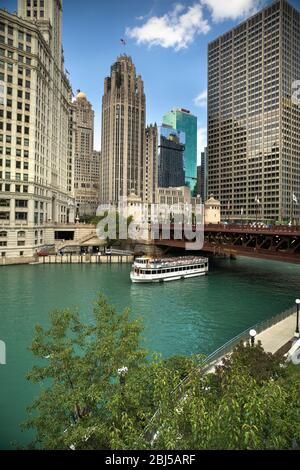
[(253, 122), (123, 133), (87, 161), (150, 173), (183, 121), (35, 147), (170, 157)]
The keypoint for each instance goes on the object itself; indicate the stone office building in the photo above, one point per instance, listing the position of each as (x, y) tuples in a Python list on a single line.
[(35, 98), (253, 122)]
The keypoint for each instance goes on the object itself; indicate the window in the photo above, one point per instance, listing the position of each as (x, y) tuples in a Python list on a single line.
[(4, 202), (21, 234), (21, 243), (21, 203), (3, 234), (4, 215), (21, 216)]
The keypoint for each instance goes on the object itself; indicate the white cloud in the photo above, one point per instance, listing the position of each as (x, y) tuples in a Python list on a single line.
[(231, 9), (202, 142), (201, 99), (177, 28)]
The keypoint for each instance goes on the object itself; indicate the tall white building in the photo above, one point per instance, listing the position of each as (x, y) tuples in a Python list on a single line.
[(36, 142), (87, 161)]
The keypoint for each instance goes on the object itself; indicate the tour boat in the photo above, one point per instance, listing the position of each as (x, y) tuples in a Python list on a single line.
[(168, 269)]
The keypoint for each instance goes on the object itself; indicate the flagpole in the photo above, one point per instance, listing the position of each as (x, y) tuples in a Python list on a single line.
[(292, 209)]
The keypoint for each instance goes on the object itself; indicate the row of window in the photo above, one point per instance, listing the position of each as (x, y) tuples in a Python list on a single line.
[(18, 216), (172, 270)]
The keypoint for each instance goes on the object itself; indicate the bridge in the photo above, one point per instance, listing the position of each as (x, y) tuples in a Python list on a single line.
[(278, 243)]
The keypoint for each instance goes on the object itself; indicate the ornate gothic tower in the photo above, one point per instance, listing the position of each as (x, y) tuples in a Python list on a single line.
[(123, 131)]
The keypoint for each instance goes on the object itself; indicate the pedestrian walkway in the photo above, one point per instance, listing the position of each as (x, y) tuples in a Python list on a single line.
[(278, 335)]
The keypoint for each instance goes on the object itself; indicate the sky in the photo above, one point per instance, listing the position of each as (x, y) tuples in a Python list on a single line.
[(166, 39)]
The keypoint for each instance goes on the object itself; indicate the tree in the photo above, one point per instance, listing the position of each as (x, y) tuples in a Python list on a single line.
[(250, 402), (82, 404), (237, 407)]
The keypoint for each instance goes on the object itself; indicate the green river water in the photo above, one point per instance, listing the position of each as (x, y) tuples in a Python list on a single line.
[(182, 317)]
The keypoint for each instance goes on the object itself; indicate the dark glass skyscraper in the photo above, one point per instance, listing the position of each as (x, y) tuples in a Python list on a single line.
[(170, 157)]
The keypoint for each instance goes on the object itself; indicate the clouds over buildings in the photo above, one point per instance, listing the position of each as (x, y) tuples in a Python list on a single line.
[(231, 9), (179, 27), (201, 99)]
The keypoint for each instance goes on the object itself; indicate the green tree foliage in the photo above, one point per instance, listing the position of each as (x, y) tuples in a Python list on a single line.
[(249, 402), (82, 404)]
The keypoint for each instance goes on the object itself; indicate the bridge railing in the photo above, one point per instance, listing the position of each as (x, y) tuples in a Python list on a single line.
[(249, 227)]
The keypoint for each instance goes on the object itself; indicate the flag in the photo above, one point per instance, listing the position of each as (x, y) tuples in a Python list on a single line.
[(295, 200), (257, 200), (242, 211), (228, 205), (123, 42)]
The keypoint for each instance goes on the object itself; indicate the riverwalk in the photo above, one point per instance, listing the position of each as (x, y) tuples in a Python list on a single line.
[(273, 334), (278, 335)]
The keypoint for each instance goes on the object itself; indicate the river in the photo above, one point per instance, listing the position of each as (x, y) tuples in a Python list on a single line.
[(182, 317)]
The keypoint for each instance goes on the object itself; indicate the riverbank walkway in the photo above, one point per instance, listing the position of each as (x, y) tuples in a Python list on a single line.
[(278, 335)]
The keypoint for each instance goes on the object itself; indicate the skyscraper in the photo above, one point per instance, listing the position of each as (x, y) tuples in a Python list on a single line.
[(87, 162), (203, 176), (150, 164), (35, 143), (123, 132), (253, 123), (182, 120), (170, 157)]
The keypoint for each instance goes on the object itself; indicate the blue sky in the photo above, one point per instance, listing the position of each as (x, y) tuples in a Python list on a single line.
[(167, 40)]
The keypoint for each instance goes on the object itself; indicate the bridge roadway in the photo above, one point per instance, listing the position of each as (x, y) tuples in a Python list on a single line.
[(278, 242)]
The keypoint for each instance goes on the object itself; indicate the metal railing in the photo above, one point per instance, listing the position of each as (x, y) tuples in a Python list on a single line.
[(225, 349)]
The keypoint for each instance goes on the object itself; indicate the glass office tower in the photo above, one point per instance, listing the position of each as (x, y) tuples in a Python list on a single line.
[(170, 157), (182, 120)]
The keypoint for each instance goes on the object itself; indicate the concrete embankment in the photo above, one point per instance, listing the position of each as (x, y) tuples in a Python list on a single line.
[(70, 259), (85, 259), (15, 261)]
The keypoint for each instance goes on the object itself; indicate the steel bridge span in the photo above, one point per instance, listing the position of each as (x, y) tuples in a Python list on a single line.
[(278, 243)]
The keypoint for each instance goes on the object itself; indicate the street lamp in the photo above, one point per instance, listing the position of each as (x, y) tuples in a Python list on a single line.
[(297, 320), (252, 334), (122, 374)]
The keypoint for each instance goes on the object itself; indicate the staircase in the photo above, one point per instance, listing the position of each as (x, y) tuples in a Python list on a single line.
[(63, 243)]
